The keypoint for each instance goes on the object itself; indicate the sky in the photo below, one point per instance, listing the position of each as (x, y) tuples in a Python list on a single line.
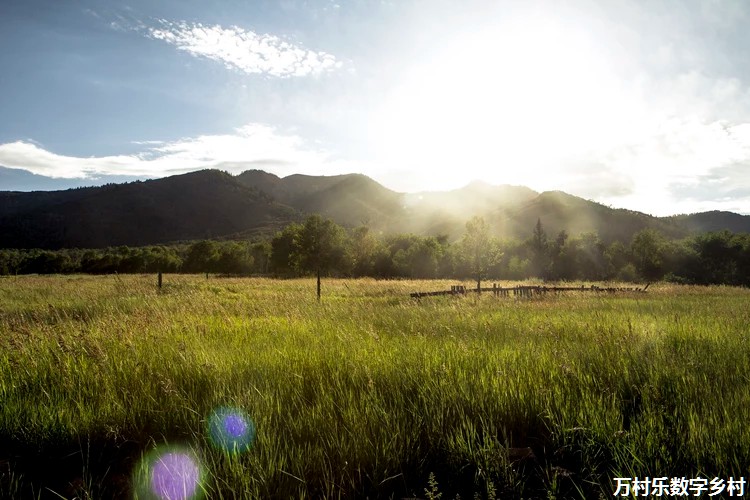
[(642, 105)]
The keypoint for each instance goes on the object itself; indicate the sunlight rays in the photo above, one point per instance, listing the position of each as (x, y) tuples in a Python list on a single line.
[(505, 98)]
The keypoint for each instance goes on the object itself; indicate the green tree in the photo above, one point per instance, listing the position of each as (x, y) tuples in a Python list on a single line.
[(566, 260), (45, 262), (742, 242), (132, 260), (518, 268), (593, 263), (540, 259), (321, 246), (284, 258), (447, 261), (560, 261), (719, 257), (646, 249), (164, 259), (478, 249), (619, 257), (422, 258), (261, 254), (411, 256), (383, 265), (400, 260), (202, 257), (234, 258), (99, 261), (9, 260), (364, 248)]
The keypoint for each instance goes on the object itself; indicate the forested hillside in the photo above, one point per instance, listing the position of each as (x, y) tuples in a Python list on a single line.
[(204, 204), (212, 204)]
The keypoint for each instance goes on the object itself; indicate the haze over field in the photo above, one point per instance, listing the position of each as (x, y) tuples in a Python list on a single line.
[(637, 105)]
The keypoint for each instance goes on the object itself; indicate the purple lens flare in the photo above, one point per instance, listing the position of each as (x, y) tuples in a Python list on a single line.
[(175, 476), (231, 429), (169, 473)]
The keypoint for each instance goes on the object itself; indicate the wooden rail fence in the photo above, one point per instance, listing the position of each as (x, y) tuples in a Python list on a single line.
[(525, 290)]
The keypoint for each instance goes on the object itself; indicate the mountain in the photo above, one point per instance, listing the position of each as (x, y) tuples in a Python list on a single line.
[(260, 180), (351, 199), (355, 199), (447, 212), (561, 211), (203, 204), (214, 204), (714, 221)]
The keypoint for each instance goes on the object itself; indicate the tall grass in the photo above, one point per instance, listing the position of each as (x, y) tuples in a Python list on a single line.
[(369, 392)]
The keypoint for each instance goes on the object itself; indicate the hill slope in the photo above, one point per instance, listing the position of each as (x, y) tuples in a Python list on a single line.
[(350, 199), (201, 204), (714, 221), (212, 204), (558, 210)]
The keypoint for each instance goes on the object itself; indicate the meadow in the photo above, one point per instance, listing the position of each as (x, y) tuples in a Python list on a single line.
[(369, 393)]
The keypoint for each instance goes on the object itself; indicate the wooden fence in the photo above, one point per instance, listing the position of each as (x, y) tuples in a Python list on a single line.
[(525, 290)]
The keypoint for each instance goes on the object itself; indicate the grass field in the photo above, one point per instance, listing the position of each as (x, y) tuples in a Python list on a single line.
[(369, 393)]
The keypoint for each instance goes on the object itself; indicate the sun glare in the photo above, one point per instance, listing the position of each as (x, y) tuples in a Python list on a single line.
[(496, 103)]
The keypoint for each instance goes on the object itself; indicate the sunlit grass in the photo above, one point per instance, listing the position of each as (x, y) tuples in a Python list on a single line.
[(369, 391)]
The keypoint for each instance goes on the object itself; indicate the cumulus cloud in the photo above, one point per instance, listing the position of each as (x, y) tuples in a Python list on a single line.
[(244, 50), (35, 159), (251, 146), (683, 165), (727, 185)]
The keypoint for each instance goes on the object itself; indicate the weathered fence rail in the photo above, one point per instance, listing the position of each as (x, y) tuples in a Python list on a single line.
[(526, 290)]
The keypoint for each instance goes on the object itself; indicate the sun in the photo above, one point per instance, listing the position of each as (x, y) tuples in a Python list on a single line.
[(500, 104)]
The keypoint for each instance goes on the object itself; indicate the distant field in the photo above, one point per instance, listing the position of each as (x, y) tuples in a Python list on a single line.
[(369, 393)]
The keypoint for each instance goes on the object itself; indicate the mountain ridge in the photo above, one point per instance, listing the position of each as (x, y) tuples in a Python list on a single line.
[(215, 204)]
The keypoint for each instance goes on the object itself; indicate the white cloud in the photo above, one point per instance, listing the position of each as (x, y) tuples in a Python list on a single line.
[(251, 146), (676, 152), (147, 143), (29, 156), (244, 50)]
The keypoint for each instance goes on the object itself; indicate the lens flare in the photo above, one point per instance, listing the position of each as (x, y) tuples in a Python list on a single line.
[(175, 477), (231, 429), (169, 474)]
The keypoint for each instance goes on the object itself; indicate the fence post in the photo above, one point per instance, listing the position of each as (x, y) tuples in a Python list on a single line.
[(159, 279)]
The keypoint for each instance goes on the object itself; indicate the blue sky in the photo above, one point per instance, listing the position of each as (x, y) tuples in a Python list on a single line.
[(643, 105)]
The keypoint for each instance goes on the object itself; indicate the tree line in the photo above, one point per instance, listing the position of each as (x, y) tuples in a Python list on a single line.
[(320, 247)]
